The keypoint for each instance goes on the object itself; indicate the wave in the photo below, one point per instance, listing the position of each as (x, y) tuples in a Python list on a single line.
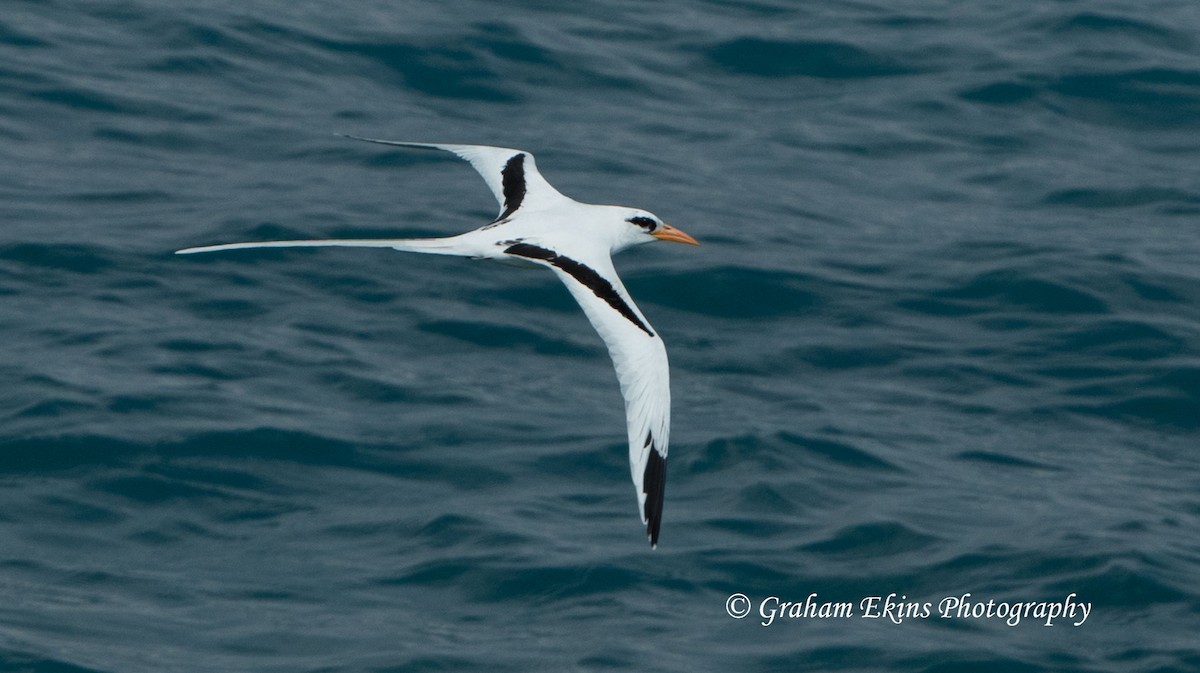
[(793, 58)]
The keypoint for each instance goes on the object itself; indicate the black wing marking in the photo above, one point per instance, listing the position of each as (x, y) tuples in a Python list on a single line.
[(654, 485), (585, 275), (512, 177)]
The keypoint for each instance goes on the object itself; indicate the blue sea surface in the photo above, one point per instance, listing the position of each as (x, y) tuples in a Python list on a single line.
[(942, 338)]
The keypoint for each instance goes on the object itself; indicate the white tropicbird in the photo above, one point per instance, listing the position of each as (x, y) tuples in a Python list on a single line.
[(538, 225)]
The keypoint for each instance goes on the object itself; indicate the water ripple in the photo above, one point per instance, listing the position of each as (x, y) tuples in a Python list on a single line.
[(792, 58)]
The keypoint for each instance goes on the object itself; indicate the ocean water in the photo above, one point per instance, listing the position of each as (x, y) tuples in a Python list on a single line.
[(942, 338)]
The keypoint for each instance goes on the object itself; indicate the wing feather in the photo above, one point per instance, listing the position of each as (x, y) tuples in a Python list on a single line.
[(640, 360), (510, 174)]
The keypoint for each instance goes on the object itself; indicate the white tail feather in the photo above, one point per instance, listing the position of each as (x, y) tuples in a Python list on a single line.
[(433, 246)]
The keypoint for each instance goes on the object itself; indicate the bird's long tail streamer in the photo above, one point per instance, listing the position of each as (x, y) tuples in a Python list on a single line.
[(433, 246)]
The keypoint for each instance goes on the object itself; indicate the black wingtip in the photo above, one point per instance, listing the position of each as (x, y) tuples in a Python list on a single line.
[(654, 484), (512, 180)]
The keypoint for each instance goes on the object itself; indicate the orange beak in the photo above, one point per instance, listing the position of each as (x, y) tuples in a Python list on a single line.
[(669, 233)]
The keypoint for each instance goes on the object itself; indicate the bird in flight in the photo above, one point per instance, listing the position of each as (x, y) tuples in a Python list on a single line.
[(539, 226)]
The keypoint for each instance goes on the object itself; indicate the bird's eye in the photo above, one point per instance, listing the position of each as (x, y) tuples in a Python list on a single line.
[(643, 222)]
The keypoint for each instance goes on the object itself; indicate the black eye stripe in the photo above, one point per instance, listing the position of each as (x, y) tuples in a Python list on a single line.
[(643, 222)]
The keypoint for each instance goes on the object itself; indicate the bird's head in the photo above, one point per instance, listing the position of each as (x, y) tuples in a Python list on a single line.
[(640, 227)]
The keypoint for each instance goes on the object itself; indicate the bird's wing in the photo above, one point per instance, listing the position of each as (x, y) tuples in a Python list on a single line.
[(640, 359), (512, 175)]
